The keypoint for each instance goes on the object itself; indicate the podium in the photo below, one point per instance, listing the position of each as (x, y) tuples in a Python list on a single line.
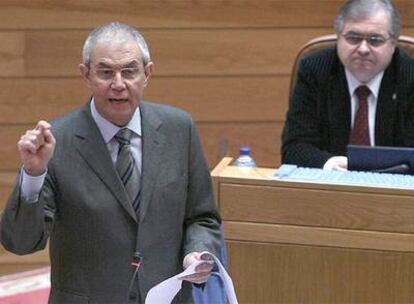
[(298, 242)]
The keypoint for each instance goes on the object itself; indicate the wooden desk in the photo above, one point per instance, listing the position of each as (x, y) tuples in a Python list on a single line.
[(291, 242)]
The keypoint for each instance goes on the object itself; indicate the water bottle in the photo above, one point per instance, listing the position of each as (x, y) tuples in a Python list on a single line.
[(245, 161)]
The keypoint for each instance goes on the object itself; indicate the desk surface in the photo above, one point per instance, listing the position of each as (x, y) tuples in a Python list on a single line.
[(265, 176), (315, 243)]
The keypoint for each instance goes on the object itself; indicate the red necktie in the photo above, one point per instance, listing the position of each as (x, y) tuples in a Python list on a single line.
[(360, 131)]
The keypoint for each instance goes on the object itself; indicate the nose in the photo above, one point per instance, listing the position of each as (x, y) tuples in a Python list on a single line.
[(363, 47), (118, 82)]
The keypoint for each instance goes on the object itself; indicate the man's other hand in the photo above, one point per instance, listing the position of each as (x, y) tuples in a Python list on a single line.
[(336, 163), (203, 271)]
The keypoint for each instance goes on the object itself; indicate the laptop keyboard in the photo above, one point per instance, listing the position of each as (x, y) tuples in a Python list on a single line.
[(357, 178)]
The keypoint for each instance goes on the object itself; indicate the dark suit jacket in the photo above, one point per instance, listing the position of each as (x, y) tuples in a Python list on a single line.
[(318, 122), (94, 231)]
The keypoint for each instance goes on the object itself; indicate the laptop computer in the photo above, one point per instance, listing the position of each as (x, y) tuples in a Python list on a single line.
[(381, 159)]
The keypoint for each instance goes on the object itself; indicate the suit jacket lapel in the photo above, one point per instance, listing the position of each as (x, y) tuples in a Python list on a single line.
[(152, 147), (90, 144), (386, 107), (339, 106)]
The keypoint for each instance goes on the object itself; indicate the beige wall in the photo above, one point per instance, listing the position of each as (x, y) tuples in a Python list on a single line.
[(226, 62)]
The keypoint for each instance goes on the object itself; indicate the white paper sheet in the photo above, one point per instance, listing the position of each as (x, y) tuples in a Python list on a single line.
[(164, 292)]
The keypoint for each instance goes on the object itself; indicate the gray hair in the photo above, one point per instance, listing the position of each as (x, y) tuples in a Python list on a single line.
[(360, 9), (114, 32)]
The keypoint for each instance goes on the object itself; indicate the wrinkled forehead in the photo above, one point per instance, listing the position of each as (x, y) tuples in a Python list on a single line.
[(116, 52)]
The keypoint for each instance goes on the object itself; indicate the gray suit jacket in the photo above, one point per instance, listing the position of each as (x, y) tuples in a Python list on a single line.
[(94, 231)]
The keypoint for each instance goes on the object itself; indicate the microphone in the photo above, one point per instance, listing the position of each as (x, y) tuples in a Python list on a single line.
[(136, 263), (136, 259)]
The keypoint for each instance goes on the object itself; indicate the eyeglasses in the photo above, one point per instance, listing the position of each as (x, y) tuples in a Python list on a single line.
[(372, 40), (109, 74)]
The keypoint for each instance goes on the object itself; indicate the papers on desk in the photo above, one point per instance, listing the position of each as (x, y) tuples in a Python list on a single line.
[(164, 292)]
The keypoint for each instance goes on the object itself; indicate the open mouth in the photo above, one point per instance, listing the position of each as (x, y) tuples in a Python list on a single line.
[(118, 100)]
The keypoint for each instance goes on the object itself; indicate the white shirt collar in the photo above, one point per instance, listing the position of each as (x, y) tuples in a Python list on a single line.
[(108, 129), (373, 85)]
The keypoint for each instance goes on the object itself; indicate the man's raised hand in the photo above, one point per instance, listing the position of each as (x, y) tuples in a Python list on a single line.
[(36, 148)]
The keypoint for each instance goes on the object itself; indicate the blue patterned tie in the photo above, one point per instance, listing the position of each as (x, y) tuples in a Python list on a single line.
[(126, 167)]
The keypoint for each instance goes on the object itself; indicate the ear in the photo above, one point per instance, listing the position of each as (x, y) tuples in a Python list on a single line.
[(149, 68), (84, 72)]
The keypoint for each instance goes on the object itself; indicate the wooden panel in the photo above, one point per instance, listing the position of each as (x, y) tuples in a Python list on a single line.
[(38, 98), (278, 273), (175, 52), (60, 58), (225, 99), (37, 257), (351, 210), (226, 161), (42, 14), (10, 268), (208, 99), (8, 149), (10, 263), (300, 235), (12, 55), (228, 52)]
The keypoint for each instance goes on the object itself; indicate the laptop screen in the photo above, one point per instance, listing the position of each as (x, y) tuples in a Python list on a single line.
[(381, 159)]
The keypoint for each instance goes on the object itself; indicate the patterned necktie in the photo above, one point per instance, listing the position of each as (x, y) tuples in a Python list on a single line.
[(360, 131), (126, 167)]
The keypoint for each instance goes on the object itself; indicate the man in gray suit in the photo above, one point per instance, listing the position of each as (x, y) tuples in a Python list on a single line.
[(71, 189)]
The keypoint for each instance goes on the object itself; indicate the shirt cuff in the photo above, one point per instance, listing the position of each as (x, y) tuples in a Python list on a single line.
[(31, 186)]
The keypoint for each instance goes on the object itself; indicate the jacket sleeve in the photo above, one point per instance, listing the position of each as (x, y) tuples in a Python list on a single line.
[(302, 139), (202, 219), (25, 227)]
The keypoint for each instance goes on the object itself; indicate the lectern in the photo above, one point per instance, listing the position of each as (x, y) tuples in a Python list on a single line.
[(298, 242)]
